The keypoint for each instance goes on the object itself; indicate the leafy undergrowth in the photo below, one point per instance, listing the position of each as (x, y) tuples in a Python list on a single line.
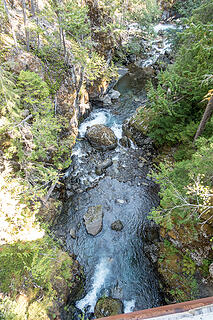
[(171, 118), (39, 277)]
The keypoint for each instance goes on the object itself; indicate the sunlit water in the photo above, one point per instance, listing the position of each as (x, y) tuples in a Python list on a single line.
[(114, 261)]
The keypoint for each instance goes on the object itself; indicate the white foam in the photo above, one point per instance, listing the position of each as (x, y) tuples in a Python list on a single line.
[(129, 306), (117, 129), (98, 118), (132, 145), (101, 272), (163, 27), (77, 151), (157, 52)]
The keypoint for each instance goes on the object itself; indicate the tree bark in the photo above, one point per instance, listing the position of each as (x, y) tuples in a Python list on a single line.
[(33, 8), (9, 19), (25, 26), (206, 116)]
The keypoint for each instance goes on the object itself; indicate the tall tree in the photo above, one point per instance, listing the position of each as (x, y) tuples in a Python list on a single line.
[(33, 7), (27, 34), (11, 24), (206, 116)]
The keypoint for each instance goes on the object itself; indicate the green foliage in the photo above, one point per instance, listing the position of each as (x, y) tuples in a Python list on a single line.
[(205, 267), (176, 102), (204, 13), (33, 275), (189, 266), (11, 310), (35, 137), (180, 295), (31, 139), (31, 264), (185, 188), (186, 7), (145, 12), (178, 270), (16, 262), (75, 20)]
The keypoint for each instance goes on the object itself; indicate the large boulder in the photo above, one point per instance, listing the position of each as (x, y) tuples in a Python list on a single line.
[(27, 61), (108, 306), (136, 129), (101, 137), (93, 220)]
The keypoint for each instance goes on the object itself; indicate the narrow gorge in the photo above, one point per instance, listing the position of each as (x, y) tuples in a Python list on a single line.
[(106, 152), (109, 194)]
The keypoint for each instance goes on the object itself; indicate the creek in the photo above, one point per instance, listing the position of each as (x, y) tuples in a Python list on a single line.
[(114, 262)]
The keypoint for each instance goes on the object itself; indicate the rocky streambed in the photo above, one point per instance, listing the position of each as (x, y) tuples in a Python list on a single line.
[(108, 197)]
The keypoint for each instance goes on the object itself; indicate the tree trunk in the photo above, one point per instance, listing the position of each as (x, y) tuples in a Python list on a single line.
[(61, 32), (25, 26), (33, 8), (9, 19), (206, 116)]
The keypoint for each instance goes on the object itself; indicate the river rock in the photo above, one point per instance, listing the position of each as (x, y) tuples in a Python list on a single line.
[(120, 201), (108, 306), (114, 95), (101, 137), (73, 233), (125, 142), (104, 165), (107, 100), (93, 220), (150, 232), (211, 270), (117, 225), (111, 95)]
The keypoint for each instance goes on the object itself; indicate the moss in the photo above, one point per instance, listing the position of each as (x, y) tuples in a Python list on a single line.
[(178, 271), (108, 306), (141, 119)]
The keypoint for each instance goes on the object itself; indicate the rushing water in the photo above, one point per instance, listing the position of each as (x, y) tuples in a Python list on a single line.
[(114, 262)]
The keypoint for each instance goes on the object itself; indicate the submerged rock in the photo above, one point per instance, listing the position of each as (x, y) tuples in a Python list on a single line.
[(108, 307), (101, 137), (104, 165), (93, 220), (117, 225)]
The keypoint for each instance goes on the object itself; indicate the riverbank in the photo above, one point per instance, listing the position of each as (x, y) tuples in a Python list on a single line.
[(49, 76)]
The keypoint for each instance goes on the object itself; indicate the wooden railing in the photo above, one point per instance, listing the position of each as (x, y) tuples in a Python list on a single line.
[(164, 310)]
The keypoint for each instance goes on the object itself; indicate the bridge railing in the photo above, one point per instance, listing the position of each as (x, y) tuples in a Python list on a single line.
[(163, 310)]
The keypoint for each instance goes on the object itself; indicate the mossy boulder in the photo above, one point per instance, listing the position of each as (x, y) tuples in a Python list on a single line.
[(93, 220), (136, 128), (101, 137), (27, 61), (108, 306)]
